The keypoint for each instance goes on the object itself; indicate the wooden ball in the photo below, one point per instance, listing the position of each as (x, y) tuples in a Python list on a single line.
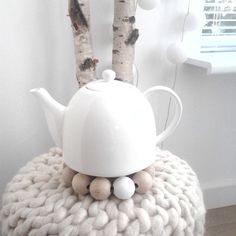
[(143, 181), (67, 175), (151, 170), (80, 183), (100, 188)]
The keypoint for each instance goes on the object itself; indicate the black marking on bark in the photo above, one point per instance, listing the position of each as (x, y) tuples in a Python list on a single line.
[(115, 28), (121, 35), (76, 15), (115, 51), (88, 64), (132, 19), (132, 37), (123, 1), (118, 79)]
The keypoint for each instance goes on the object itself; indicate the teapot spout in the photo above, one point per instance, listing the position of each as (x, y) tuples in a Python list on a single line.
[(54, 113)]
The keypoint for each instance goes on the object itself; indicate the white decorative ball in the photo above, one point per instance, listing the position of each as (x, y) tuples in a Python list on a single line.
[(148, 4), (176, 53), (193, 21), (108, 75), (124, 188)]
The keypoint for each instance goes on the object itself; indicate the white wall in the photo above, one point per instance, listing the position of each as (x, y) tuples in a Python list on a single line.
[(36, 50)]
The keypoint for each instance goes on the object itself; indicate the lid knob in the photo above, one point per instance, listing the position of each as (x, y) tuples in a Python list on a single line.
[(108, 75)]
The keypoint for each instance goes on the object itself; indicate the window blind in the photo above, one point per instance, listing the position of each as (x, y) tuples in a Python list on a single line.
[(219, 32)]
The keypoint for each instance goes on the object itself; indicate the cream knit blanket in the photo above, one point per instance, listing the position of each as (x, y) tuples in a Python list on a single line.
[(36, 202)]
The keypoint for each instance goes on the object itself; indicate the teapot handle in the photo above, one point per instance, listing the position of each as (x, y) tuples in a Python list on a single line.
[(178, 111)]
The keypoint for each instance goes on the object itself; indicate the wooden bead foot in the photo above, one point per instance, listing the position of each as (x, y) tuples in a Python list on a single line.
[(67, 175), (143, 181), (80, 183), (100, 188), (150, 170)]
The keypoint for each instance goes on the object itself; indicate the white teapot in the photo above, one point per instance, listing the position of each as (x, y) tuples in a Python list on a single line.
[(108, 128)]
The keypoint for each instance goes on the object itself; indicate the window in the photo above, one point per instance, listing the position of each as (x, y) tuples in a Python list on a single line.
[(219, 32)]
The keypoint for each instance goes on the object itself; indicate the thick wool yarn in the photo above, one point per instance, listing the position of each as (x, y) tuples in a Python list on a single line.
[(37, 202)]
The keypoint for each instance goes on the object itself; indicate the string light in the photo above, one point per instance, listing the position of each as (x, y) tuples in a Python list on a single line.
[(176, 53), (148, 4), (176, 71), (194, 21)]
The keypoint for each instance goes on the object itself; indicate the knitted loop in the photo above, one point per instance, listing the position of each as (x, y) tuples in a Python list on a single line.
[(36, 202)]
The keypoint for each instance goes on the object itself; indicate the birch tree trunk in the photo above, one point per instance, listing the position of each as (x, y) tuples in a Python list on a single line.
[(124, 39), (79, 13)]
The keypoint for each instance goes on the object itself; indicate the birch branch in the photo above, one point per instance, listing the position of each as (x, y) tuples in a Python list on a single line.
[(79, 13), (124, 38)]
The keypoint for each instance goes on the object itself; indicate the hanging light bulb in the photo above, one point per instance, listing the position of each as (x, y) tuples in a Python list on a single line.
[(148, 4), (176, 53)]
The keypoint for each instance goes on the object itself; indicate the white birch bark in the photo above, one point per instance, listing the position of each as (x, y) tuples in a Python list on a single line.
[(124, 38), (79, 12)]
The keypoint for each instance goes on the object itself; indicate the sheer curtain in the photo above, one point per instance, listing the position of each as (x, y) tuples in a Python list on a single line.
[(36, 50)]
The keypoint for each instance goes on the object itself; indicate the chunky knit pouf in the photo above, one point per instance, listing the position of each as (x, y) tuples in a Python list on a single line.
[(36, 202)]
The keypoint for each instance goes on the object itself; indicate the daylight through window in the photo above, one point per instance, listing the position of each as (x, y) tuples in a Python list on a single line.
[(219, 32)]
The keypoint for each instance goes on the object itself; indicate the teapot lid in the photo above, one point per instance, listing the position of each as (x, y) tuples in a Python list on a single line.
[(108, 82)]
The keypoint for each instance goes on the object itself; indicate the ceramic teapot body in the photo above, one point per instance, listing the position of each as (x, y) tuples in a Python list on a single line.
[(108, 128)]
